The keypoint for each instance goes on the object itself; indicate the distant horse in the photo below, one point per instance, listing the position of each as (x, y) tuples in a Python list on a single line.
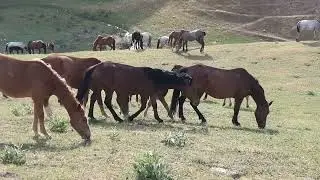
[(186, 36), (146, 38), (35, 79), (125, 41), (37, 44), (72, 69), (308, 25), (137, 40), (126, 80), (15, 46), (102, 41), (162, 41), (173, 38), (224, 101), (221, 83), (50, 46)]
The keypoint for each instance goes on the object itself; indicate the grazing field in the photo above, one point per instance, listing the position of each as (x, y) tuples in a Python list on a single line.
[(287, 149)]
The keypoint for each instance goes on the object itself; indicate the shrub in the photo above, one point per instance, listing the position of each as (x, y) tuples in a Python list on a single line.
[(150, 166), (58, 124), (13, 155), (114, 136), (176, 139), (21, 109)]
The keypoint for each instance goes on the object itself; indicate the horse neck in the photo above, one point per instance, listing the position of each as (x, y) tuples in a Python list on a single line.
[(258, 95)]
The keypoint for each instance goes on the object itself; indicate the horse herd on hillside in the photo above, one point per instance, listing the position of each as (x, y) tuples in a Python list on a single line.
[(20, 47)]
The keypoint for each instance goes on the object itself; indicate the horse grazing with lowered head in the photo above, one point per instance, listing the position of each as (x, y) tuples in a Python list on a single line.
[(308, 25), (127, 80), (38, 44), (50, 46), (15, 46), (220, 83), (103, 41), (195, 35), (162, 41), (137, 40), (37, 80), (72, 69)]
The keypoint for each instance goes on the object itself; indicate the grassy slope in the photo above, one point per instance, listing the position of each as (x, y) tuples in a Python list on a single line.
[(287, 149), (73, 25)]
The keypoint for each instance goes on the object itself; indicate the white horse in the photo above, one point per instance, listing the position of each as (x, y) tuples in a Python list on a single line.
[(16, 45), (162, 41), (146, 38), (308, 25)]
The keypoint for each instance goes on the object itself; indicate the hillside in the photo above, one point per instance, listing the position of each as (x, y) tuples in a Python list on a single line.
[(74, 24)]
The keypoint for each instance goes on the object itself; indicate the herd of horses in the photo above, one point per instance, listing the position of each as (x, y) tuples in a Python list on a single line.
[(57, 74), (20, 47)]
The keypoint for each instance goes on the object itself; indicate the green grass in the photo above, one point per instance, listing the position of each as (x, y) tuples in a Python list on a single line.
[(287, 149)]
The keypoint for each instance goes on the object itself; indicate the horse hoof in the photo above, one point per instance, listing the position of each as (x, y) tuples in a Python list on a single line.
[(204, 123), (160, 121), (237, 124)]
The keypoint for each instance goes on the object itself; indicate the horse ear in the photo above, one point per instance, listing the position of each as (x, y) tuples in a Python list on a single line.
[(270, 103)]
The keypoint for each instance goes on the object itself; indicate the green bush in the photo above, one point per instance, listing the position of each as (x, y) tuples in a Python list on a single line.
[(58, 124), (13, 155), (176, 139), (150, 167)]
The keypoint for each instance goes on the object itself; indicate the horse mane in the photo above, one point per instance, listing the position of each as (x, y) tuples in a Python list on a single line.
[(161, 77)]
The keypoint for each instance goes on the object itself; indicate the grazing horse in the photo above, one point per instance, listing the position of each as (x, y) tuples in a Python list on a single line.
[(146, 38), (230, 103), (137, 40), (162, 41), (308, 25), (102, 41), (17, 46), (50, 46), (173, 38), (72, 69), (38, 44), (186, 36), (221, 83), (39, 81), (126, 80)]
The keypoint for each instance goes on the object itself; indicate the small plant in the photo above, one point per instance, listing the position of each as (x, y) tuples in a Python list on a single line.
[(58, 124), (150, 166), (114, 136), (21, 110), (176, 139), (311, 93), (13, 155)]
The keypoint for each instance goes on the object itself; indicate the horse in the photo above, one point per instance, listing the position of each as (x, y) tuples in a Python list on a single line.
[(17, 46), (221, 83), (72, 69), (308, 25), (37, 80), (50, 46), (37, 44), (102, 41), (162, 41), (146, 38), (173, 37), (186, 36), (224, 101), (137, 40), (127, 80)]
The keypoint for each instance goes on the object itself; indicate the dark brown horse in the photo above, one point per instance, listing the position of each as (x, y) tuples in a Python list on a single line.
[(50, 46), (37, 80), (137, 40), (103, 41), (221, 83), (72, 69), (126, 80), (38, 44), (173, 38)]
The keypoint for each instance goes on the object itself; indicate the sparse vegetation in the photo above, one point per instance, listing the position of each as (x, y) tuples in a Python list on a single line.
[(21, 109), (13, 154), (176, 139), (58, 124)]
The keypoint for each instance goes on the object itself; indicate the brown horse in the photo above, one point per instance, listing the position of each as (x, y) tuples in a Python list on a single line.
[(221, 83), (126, 80), (50, 46), (224, 101), (72, 69), (38, 44), (103, 41), (173, 38), (137, 40), (39, 81)]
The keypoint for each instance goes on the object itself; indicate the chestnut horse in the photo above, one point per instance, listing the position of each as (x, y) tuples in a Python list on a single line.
[(102, 41), (137, 40), (220, 83), (39, 81), (72, 69), (38, 44), (126, 80)]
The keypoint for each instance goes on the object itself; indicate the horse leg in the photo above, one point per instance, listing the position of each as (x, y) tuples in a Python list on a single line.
[(165, 105), (182, 99), (202, 46), (298, 37), (47, 108), (100, 103), (230, 102), (85, 99), (107, 102), (186, 46), (39, 50), (123, 101), (201, 117), (35, 120), (247, 98), (155, 110), (205, 96), (144, 100), (93, 99), (224, 102), (137, 98), (147, 108), (237, 105), (40, 114)]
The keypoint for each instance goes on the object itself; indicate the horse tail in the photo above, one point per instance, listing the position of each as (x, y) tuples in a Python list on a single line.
[(158, 43), (85, 83), (174, 101)]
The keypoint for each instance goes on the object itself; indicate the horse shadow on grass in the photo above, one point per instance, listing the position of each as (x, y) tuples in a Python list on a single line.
[(189, 56), (312, 44)]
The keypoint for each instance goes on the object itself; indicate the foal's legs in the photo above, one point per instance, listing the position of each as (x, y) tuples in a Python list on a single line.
[(237, 105), (107, 102)]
